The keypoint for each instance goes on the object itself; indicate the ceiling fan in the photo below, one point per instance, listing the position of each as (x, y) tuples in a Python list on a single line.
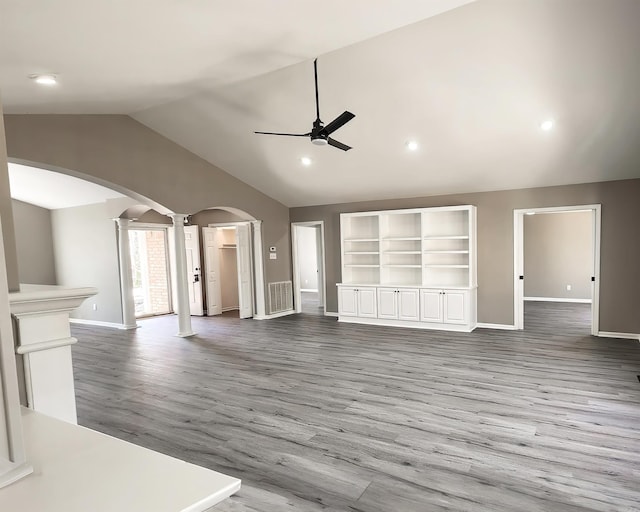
[(319, 134)]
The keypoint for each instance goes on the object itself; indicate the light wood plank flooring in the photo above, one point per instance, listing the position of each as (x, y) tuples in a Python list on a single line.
[(316, 415)]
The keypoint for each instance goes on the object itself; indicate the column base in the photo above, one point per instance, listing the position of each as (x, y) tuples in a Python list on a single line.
[(186, 334)]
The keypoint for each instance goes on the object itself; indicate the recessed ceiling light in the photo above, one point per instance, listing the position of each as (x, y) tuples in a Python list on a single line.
[(306, 161), (412, 145), (44, 79), (547, 125)]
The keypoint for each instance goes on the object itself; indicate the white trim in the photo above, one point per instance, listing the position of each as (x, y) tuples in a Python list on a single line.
[(621, 335), (297, 289), (98, 323), (406, 323), (518, 260), (275, 315), (557, 299), (309, 290), (46, 345), (148, 226), (502, 327), (331, 313), (230, 308)]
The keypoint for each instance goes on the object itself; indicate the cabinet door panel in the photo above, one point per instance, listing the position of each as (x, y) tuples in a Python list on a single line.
[(367, 302), (455, 307), (387, 303), (347, 302), (431, 306), (408, 304)]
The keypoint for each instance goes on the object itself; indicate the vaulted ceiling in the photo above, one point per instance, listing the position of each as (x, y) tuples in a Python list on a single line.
[(470, 82)]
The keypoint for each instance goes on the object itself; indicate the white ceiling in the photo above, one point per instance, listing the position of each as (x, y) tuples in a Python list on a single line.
[(52, 190), (471, 85)]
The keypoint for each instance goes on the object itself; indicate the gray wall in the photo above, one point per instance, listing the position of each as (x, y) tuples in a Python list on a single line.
[(307, 257), (620, 272), (117, 150), (558, 251), (86, 254), (6, 214), (34, 243)]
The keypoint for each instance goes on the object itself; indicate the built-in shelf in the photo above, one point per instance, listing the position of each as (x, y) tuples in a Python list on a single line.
[(447, 237), (429, 254), (447, 266), (446, 252)]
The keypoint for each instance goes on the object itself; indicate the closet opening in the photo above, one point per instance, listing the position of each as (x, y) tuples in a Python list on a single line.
[(228, 270)]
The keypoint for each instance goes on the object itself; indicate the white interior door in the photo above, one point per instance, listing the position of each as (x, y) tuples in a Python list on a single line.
[(192, 249), (212, 271), (245, 287)]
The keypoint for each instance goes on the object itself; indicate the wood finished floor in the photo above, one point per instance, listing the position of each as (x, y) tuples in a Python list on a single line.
[(316, 415)]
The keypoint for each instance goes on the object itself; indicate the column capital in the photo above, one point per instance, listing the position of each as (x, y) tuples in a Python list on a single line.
[(123, 223), (178, 218)]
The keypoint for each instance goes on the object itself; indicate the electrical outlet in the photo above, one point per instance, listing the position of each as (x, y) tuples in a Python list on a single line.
[(568, 287), (273, 256)]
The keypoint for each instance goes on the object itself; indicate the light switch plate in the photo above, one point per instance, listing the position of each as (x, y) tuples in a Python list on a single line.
[(273, 256)]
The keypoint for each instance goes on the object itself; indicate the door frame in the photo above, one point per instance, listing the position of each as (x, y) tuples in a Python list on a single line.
[(168, 231), (321, 254), (518, 260)]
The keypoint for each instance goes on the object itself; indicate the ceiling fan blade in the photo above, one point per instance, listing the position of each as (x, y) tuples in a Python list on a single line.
[(315, 74), (285, 134), (339, 145), (339, 121)]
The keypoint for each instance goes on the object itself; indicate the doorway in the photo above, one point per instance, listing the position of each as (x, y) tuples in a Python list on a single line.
[(228, 269), (557, 266), (149, 258), (309, 283)]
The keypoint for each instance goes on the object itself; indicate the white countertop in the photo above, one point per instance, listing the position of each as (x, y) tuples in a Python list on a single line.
[(79, 470)]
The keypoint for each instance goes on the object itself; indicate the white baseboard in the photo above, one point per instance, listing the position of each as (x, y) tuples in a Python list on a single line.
[(309, 290), (502, 327), (623, 335), (274, 315), (100, 323), (331, 313), (232, 308), (557, 299)]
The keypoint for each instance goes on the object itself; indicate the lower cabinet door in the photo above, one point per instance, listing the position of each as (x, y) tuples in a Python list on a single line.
[(456, 309), (431, 309), (367, 302), (408, 304), (347, 301), (387, 303)]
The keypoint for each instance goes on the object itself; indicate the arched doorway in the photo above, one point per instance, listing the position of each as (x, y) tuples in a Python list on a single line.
[(226, 263)]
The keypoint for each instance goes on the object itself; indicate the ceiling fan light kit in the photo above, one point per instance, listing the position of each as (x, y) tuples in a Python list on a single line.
[(319, 134)]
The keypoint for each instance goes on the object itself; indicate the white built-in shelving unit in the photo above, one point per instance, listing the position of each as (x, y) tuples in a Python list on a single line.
[(420, 264)]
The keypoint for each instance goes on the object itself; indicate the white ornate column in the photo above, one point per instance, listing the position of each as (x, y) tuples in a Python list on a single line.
[(182, 288), (126, 278), (43, 339)]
